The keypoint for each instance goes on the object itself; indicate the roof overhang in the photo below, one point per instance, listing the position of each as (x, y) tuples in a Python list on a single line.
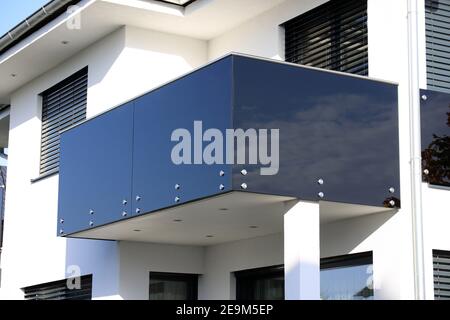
[(44, 49)]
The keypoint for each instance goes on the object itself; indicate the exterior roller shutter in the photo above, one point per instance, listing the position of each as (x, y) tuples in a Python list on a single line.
[(58, 290), (332, 36), (441, 269), (437, 20), (63, 106)]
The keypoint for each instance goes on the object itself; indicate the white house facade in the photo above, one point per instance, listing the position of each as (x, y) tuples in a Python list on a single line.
[(357, 208)]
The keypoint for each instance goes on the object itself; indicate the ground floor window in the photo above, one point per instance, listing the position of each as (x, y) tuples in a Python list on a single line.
[(68, 289), (347, 277), (260, 284), (441, 274), (173, 286)]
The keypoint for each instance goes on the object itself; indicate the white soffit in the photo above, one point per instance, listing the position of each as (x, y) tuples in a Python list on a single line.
[(43, 50)]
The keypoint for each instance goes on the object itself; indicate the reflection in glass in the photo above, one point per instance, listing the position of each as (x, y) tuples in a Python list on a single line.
[(347, 277), (347, 283), (436, 156), (339, 128)]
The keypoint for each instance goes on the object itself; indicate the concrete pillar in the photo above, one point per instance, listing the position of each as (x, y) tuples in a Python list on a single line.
[(302, 252)]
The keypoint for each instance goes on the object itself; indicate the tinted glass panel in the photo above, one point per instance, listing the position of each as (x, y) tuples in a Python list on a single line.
[(205, 96), (95, 172), (347, 277), (168, 286), (260, 284), (346, 283), (341, 129), (435, 124)]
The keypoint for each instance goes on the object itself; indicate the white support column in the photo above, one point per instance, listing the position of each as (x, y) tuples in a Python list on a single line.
[(302, 252)]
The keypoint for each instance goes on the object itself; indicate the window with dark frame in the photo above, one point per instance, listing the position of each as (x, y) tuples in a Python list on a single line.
[(347, 277), (260, 284), (173, 286), (59, 290), (63, 106), (437, 30), (441, 274), (331, 36)]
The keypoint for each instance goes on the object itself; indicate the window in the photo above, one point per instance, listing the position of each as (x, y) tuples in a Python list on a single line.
[(173, 286), (441, 270), (332, 36), (260, 284), (59, 290), (346, 277), (437, 22), (63, 106)]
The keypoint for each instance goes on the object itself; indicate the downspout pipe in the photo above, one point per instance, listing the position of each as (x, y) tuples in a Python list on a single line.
[(415, 151)]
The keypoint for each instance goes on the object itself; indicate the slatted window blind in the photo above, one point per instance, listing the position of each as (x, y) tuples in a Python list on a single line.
[(437, 21), (63, 105), (441, 269), (332, 36), (58, 290)]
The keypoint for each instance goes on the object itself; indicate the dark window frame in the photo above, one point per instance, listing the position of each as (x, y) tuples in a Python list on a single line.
[(441, 274), (59, 113), (347, 260), (331, 36), (244, 277), (437, 28), (190, 278)]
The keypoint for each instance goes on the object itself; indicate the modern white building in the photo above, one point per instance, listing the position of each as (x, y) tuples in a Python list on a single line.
[(359, 207)]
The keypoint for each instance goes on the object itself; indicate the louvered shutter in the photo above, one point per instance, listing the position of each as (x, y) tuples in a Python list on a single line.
[(58, 290), (437, 19), (332, 36), (441, 269), (63, 106)]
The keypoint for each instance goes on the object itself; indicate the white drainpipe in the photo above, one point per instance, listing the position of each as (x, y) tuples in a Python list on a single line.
[(415, 149)]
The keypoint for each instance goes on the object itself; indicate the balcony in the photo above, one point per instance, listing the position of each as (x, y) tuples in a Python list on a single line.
[(328, 137)]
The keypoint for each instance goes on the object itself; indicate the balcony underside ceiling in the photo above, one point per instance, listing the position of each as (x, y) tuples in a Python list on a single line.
[(228, 217)]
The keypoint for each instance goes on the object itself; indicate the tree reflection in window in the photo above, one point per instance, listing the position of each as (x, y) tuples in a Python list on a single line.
[(436, 159)]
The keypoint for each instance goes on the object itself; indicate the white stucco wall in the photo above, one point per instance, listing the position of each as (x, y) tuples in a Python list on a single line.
[(388, 54), (221, 260), (121, 66), (261, 35), (436, 214), (214, 264), (131, 61), (138, 259)]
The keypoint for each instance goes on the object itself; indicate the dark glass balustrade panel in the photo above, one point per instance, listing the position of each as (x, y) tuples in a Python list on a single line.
[(338, 128), (95, 171), (204, 95), (341, 129), (435, 126)]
